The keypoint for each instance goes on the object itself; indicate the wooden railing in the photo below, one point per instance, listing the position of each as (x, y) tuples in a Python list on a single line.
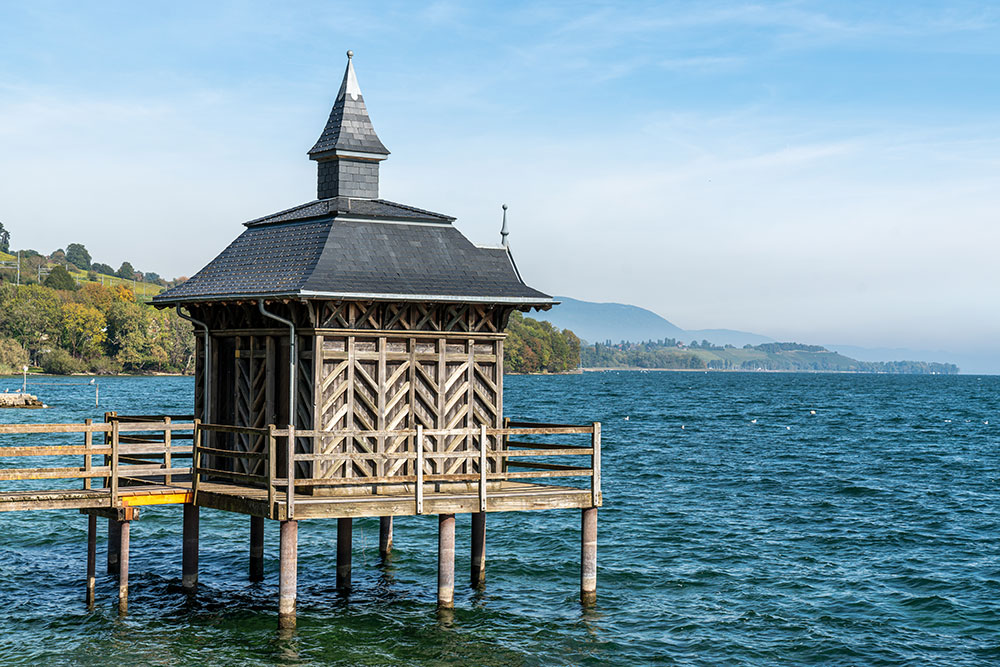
[(512, 459), (131, 452)]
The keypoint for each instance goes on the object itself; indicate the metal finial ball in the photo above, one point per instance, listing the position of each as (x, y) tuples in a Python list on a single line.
[(350, 54), (503, 206)]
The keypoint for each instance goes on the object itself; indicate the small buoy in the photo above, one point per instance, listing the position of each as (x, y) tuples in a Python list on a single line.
[(812, 412), (788, 428)]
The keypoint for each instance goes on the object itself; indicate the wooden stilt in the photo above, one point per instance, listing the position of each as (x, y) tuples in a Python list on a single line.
[(288, 573), (588, 564), (256, 548), (123, 566), (384, 536), (478, 549), (114, 543), (189, 548), (91, 558), (344, 554), (446, 561)]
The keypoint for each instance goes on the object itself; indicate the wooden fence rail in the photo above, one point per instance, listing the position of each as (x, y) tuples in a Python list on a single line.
[(127, 458), (284, 483)]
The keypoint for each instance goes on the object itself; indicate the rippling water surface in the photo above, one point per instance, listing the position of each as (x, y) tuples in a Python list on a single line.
[(867, 533)]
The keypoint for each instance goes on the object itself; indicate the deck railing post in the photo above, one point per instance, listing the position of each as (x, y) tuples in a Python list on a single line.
[(420, 469), (595, 462), (114, 463), (482, 468), (290, 473), (196, 461), (167, 436), (272, 468), (88, 463)]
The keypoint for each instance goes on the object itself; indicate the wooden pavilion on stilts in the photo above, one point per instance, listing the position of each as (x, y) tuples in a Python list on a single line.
[(350, 364)]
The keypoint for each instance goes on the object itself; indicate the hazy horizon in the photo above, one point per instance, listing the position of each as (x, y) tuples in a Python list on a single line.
[(808, 171)]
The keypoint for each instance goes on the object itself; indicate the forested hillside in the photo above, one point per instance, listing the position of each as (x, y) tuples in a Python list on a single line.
[(92, 329), (538, 347)]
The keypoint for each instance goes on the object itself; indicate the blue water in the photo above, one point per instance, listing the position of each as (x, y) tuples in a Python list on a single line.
[(865, 534)]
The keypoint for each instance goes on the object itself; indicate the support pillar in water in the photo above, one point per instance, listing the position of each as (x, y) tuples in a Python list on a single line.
[(478, 549), (384, 536), (344, 527), (288, 566), (256, 548), (91, 557), (189, 565), (123, 566), (114, 542), (446, 561), (588, 560)]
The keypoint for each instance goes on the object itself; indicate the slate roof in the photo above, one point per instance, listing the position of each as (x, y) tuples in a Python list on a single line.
[(347, 206), (349, 127), (352, 248), (357, 259)]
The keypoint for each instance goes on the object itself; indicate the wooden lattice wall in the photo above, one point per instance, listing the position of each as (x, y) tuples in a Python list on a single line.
[(361, 366)]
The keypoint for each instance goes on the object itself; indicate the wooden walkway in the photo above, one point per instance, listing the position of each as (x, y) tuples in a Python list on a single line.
[(129, 462)]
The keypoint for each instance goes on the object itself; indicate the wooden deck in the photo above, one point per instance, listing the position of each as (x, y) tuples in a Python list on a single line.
[(144, 461)]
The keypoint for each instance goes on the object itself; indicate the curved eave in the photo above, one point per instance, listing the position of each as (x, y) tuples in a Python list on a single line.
[(526, 302)]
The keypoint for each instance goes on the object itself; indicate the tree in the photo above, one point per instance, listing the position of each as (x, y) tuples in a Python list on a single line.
[(4, 239), (30, 315), (127, 335), (59, 278), (126, 271), (82, 329), (106, 269), (77, 255)]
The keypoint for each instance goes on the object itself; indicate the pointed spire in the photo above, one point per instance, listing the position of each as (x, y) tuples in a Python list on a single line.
[(503, 229), (349, 128)]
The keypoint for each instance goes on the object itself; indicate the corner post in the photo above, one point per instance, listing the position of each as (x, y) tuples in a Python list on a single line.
[(446, 561), (344, 538), (189, 548), (588, 564), (287, 580)]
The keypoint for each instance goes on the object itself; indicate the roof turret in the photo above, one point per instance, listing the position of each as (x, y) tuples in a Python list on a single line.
[(349, 129)]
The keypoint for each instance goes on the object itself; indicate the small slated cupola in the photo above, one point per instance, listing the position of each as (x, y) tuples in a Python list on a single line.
[(348, 152)]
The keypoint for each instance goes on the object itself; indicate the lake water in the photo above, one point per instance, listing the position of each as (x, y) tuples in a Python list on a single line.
[(867, 533)]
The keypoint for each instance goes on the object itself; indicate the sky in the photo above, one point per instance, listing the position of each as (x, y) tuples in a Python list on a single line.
[(818, 172)]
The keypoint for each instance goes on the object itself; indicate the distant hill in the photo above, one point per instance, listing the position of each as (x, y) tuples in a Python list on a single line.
[(617, 322), (765, 357)]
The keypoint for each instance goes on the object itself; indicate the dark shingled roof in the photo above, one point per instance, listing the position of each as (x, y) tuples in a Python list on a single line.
[(338, 258), (351, 248), (346, 206), (349, 127)]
